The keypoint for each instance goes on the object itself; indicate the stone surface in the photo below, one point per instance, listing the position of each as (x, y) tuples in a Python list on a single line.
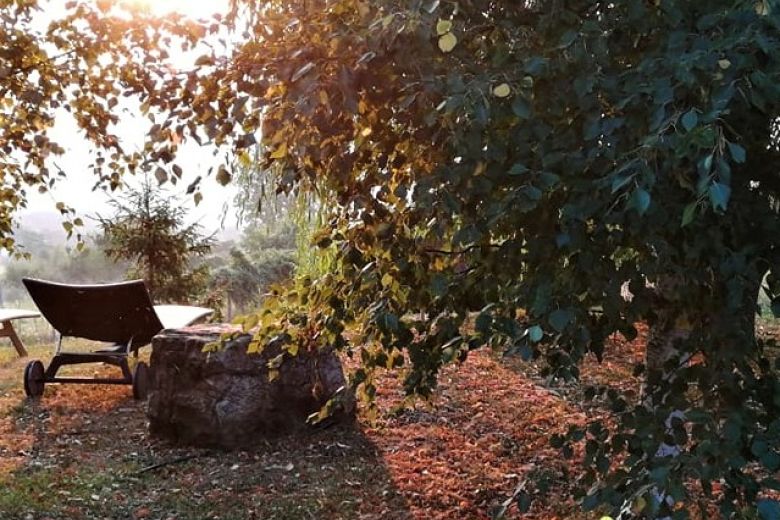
[(225, 398)]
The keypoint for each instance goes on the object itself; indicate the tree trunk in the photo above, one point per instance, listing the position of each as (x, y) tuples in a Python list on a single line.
[(666, 332), (663, 356)]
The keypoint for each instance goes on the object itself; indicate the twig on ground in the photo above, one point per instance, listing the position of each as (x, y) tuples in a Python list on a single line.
[(164, 463)]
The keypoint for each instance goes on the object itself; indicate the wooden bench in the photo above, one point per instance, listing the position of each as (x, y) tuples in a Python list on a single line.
[(7, 331)]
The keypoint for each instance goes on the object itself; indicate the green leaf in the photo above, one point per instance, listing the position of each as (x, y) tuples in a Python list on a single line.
[(690, 119), (689, 213), (659, 474), (533, 193), (483, 322), (391, 321), (548, 179), (438, 285), (769, 509), (698, 415), (640, 200), (567, 39), (590, 502), (775, 306), (707, 163), (535, 333), (619, 182), (448, 42), (535, 65), (443, 27), (737, 153), (525, 351), (770, 460), (559, 319), (518, 169), (521, 108), (719, 196), (503, 90), (523, 500)]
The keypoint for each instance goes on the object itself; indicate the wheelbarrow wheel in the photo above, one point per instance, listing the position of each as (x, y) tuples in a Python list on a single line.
[(33, 379), (141, 381)]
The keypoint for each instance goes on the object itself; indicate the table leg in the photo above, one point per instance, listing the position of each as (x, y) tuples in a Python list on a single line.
[(9, 332)]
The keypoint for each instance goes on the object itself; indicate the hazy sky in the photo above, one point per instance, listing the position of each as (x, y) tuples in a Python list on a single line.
[(77, 192)]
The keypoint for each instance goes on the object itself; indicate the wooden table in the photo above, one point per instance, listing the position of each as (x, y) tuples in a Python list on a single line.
[(7, 331)]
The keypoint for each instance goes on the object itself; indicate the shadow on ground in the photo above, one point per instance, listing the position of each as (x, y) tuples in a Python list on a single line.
[(83, 452)]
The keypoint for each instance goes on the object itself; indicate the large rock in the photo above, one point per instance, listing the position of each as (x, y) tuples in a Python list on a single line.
[(225, 398)]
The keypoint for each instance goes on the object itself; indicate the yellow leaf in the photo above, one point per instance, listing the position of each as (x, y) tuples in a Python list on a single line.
[(250, 322), (366, 132), (502, 90), (447, 42), (443, 27), (244, 159), (324, 98), (724, 64), (683, 323), (254, 347), (280, 152), (387, 280)]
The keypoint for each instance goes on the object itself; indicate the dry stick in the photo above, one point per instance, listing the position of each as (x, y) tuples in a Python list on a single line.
[(159, 465)]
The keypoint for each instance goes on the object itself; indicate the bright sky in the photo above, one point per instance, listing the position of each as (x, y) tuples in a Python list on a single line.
[(192, 8), (77, 192)]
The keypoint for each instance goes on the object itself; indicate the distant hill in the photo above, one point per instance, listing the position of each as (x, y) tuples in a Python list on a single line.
[(43, 229)]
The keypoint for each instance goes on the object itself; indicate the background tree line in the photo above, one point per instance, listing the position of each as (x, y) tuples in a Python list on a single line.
[(145, 235)]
